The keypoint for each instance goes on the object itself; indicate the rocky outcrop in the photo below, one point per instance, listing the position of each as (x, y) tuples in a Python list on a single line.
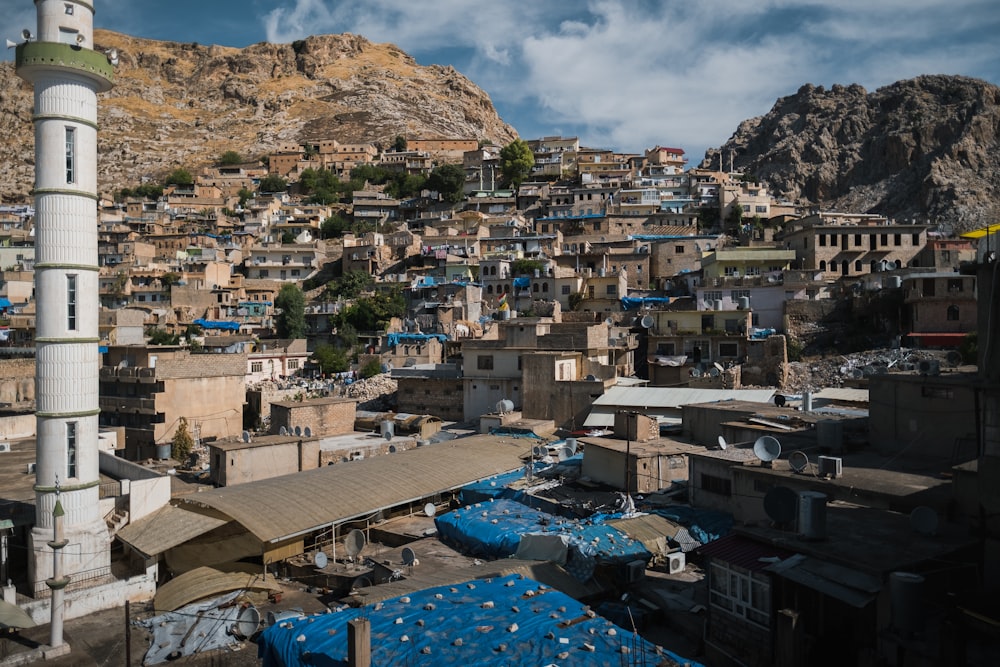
[(178, 104), (926, 149)]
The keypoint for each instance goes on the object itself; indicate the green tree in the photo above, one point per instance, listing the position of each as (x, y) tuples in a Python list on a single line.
[(170, 279), (331, 359), (522, 267), (273, 183), (287, 237), (370, 369), (245, 196), (736, 215), (449, 181), (291, 320), (179, 176), (372, 313), (149, 191), (158, 336), (516, 161), (182, 443), (334, 227), (399, 144), (230, 158), (349, 286)]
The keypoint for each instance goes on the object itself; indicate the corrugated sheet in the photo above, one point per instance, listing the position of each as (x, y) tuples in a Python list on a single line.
[(844, 394), (206, 582), (648, 529), (849, 586), (744, 552), (670, 397), (167, 527), (284, 506)]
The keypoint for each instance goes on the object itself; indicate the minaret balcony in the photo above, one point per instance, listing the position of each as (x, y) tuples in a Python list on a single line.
[(42, 56)]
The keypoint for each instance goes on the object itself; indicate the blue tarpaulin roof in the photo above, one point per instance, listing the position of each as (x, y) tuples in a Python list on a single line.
[(494, 528), (4, 302), (506, 621), (218, 324), (522, 281), (631, 302), (394, 339), (704, 525)]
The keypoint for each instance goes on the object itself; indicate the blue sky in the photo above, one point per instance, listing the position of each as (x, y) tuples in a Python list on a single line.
[(619, 74)]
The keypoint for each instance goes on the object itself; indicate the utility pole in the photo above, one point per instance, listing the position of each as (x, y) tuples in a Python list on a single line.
[(58, 582)]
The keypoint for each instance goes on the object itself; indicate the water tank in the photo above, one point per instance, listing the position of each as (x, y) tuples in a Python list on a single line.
[(601, 272), (894, 281), (906, 599), (163, 451), (743, 303), (388, 429), (247, 622), (812, 515), (830, 435)]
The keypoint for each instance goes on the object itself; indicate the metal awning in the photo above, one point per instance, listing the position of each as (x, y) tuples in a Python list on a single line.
[(166, 528), (842, 583)]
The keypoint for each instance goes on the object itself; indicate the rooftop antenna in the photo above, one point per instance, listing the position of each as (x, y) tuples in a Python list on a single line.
[(283, 431), (430, 509), (354, 543), (307, 432), (320, 560), (409, 557), (722, 443), (298, 430), (245, 436)]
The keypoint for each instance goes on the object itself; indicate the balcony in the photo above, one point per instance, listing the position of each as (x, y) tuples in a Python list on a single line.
[(42, 56), (128, 405)]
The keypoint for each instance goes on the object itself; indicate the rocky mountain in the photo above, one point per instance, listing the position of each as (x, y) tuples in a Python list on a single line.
[(177, 104), (926, 148)]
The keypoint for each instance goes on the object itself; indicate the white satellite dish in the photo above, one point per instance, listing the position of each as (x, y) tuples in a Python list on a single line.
[(722, 443), (354, 542), (320, 560), (564, 453), (307, 432), (572, 445), (718, 367), (540, 451), (696, 372), (409, 557), (245, 436), (430, 509), (283, 431), (798, 461), (714, 372), (767, 448), (647, 321), (298, 430)]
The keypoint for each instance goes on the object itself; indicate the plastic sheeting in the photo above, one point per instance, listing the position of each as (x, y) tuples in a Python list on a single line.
[(631, 303), (394, 339), (703, 525), (506, 621), (494, 529), (218, 324), (197, 627)]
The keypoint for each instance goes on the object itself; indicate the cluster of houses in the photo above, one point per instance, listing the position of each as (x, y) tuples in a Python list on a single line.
[(641, 362)]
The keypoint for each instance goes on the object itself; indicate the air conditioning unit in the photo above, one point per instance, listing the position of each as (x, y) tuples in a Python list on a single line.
[(830, 466), (4, 447), (676, 562), (31, 468)]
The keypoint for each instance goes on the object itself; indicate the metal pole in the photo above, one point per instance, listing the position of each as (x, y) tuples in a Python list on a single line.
[(128, 636), (57, 583)]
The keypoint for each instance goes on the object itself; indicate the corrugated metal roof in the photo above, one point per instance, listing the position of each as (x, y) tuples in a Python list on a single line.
[(647, 528), (744, 552), (845, 394), (280, 507), (206, 582), (673, 397), (165, 528), (850, 586)]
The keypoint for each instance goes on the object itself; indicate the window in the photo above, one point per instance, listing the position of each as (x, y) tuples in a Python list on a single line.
[(897, 239), (70, 154), (69, 9), (714, 484), (534, 288), (731, 271), (728, 349), (857, 240), (954, 284), (612, 289), (545, 287), (293, 364), (70, 449), (740, 592), (71, 302), (737, 293), (857, 265), (485, 362), (760, 209), (915, 239), (565, 289), (263, 273), (256, 366), (678, 250), (822, 265), (715, 295), (953, 313), (666, 349), (822, 239)]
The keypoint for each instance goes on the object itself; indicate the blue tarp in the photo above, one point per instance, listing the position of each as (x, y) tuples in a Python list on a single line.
[(631, 302), (493, 529), (523, 281), (506, 621), (218, 324), (4, 302), (394, 339), (704, 525)]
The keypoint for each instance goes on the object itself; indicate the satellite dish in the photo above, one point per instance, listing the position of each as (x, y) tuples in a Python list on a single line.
[(319, 559), (283, 431), (647, 321), (696, 372), (953, 358), (354, 542), (539, 451), (714, 372), (718, 367), (307, 432), (387, 435), (722, 443), (409, 557), (924, 520), (298, 430), (245, 436), (767, 448), (779, 400), (781, 504), (572, 445), (564, 453), (430, 509), (857, 373), (798, 461)]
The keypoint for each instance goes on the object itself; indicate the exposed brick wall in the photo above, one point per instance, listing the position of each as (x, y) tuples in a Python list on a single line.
[(441, 397), (324, 416)]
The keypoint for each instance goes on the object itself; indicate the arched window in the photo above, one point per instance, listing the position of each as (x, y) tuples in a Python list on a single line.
[(953, 313), (493, 270), (489, 289), (545, 287), (822, 265), (534, 288)]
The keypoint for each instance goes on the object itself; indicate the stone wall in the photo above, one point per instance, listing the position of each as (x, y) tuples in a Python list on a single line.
[(17, 382), (441, 397)]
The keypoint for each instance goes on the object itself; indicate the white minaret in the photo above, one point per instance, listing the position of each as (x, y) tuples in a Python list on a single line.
[(67, 74)]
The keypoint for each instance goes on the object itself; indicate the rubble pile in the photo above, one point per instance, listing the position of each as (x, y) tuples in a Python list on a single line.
[(839, 369), (377, 393)]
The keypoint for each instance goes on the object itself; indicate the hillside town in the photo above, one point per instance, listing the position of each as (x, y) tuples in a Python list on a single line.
[(608, 407)]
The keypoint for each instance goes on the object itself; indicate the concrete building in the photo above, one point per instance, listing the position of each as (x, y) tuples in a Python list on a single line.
[(66, 74), (148, 389)]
